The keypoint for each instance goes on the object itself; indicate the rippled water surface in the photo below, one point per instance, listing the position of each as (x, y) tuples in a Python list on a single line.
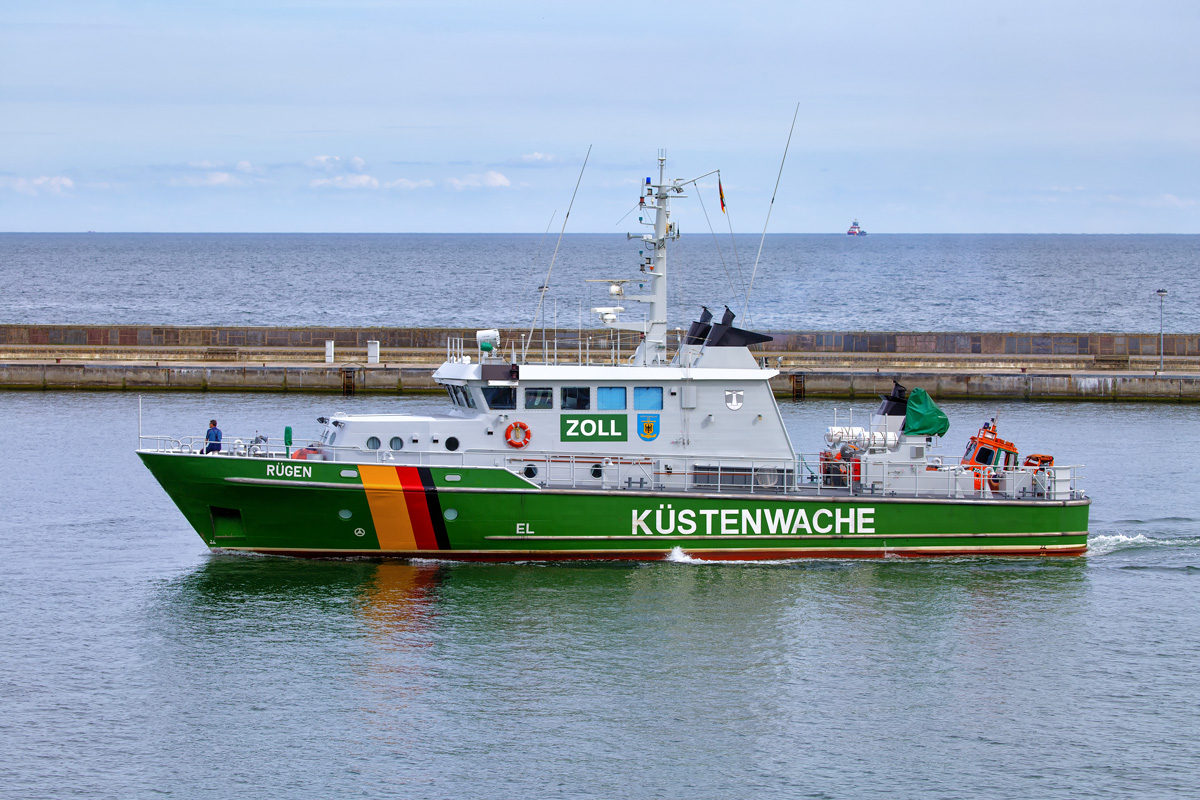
[(919, 282), (134, 663)]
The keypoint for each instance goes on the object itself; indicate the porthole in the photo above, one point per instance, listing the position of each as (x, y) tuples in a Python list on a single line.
[(397, 443), (373, 443), (452, 443), (451, 514), (530, 471), (345, 513), (597, 471)]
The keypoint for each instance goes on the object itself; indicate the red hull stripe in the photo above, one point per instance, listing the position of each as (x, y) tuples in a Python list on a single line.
[(627, 555), (434, 507), (418, 508)]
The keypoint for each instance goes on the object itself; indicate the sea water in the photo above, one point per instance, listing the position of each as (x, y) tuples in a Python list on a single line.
[(135, 663), (926, 282)]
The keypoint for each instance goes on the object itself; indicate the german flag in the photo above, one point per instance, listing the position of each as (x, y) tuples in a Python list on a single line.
[(721, 191)]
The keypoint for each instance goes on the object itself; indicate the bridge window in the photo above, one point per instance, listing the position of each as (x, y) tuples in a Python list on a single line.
[(985, 456), (610, 398), (468, 396), (500, 398), (576, 398), (539, 398), (647, 398)]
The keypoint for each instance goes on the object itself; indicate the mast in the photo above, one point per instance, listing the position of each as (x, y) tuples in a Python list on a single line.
[(653, 349)]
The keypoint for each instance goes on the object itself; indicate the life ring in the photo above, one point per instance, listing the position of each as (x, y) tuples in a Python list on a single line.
[(515, 439)]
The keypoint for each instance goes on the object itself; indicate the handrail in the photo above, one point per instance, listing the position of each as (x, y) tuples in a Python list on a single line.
[(946, 478)]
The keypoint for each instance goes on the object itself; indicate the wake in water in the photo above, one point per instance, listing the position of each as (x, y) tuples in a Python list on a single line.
[(1103, 544), (677, 556)]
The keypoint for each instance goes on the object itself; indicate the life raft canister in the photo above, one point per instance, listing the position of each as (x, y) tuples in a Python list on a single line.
[(517, 435)]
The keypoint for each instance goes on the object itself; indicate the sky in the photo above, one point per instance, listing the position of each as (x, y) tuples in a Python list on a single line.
[(1053, 116)]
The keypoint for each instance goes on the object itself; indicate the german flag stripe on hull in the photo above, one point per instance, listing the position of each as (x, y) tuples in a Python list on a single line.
[(404, 507)]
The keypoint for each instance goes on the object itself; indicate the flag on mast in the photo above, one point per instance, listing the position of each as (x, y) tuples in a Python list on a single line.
[(721, 191)]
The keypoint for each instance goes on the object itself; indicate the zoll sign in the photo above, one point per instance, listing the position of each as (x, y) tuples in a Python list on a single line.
[(594, 428)]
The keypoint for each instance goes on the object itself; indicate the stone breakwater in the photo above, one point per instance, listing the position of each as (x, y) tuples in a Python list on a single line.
[(1078, 366)]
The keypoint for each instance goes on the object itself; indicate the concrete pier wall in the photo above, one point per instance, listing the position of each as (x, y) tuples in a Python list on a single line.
[(395, 380), (1084, 366), (959, 385), (226, 341), (273, 378)]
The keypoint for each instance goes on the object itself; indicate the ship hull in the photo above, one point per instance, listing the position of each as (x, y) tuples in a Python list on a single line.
[(323, 509)]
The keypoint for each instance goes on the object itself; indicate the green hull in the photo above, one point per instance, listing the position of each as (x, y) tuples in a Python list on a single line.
[(322, 509)]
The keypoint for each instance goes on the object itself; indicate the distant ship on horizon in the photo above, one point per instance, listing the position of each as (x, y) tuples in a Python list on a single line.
[(855, 230)]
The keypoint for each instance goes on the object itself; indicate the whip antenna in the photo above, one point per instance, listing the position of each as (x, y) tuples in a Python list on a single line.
[(546, 283), (746, 308)]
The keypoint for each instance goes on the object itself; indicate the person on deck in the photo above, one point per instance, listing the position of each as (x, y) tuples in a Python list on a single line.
[(213, 437)]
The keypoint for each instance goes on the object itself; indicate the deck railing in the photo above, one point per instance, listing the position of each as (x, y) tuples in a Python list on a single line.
[(807, 474)]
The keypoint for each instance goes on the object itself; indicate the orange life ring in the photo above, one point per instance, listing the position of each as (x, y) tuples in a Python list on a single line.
[(519, 440)]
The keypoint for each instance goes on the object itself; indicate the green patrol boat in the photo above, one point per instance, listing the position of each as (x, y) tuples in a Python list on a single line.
[(676, 448)]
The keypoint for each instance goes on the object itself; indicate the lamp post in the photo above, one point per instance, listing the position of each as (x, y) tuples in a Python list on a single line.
[(1162, 293)]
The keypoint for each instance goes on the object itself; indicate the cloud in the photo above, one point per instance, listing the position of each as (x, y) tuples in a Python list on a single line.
[(206, 164), (490, 179), (328, 163), (247, 167), (539, 158), (44, 184), (207, 179), (405, 183), (346, 182), (1170, 201), (1166, 200), (336, 163)]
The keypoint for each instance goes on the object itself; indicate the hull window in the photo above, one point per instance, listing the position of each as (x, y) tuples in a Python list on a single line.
[(576, 398), (647, 398), (539, 399), (610, 398), (500, 398)]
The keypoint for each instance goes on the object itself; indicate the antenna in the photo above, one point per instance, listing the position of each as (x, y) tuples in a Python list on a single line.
[(746, 307), (567, 216)]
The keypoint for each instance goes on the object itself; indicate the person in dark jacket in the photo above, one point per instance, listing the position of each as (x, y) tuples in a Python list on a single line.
[(213, 437)]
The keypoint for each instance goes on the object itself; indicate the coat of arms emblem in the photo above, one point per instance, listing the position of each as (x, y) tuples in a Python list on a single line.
[(647, 426), (734, 398)]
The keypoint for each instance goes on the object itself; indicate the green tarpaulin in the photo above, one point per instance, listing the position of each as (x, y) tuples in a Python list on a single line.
[(924, 418)]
